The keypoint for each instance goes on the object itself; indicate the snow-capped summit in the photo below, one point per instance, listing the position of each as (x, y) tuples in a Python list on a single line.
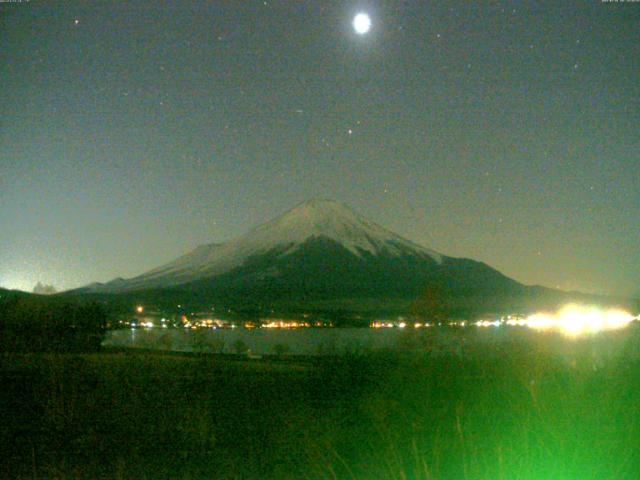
[(335, 221), (316, 219)]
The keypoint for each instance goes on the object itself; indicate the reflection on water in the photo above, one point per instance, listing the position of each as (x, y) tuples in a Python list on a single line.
[(338, 341)]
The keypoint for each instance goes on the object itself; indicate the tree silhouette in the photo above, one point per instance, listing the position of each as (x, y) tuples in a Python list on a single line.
[(33, 324), (433, 305)]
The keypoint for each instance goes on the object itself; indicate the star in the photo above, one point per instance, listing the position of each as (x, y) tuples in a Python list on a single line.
[(76, 21)]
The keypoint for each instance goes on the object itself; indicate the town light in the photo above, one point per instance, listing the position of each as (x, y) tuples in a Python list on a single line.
[(575, 320)]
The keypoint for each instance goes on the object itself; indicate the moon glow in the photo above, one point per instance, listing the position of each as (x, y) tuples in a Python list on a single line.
[(361, 23)]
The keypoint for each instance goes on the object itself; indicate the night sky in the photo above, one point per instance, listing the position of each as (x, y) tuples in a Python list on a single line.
[(507, 132)]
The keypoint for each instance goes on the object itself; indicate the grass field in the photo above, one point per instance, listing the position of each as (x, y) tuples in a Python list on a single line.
[(509, 411)]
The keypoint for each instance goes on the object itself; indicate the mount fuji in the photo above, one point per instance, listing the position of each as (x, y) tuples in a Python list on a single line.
[(322, 252), (308, 226)]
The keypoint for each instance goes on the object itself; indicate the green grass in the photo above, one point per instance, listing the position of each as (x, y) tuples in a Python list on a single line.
[(507, 411)]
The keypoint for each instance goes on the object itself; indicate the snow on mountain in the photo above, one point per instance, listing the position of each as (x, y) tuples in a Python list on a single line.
[(335, 221), (286, 233)]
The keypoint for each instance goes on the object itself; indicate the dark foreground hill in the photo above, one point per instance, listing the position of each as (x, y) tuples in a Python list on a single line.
[(510, 410), (43, 323)]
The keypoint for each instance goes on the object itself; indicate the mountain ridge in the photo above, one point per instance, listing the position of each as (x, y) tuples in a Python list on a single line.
[(311, 219), (321, 254)]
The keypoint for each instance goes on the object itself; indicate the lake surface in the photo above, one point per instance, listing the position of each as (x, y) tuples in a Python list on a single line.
[(339, 341)]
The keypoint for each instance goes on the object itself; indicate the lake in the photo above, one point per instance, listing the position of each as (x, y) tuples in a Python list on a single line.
[(339, 341)]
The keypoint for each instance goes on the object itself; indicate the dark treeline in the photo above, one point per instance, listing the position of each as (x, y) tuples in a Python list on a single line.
[(37, 324)]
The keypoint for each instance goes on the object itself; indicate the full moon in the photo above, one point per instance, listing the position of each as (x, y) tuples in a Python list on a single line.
[(361, 23)]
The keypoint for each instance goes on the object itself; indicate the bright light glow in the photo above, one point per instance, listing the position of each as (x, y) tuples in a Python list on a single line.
[(361, 23), (574, 320), (139, 309), (381, 324), (286, 324), (487, 323)]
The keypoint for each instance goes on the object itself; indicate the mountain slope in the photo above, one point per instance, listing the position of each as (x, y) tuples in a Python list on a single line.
[(285, 235), (323, 254), (323, 268)]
